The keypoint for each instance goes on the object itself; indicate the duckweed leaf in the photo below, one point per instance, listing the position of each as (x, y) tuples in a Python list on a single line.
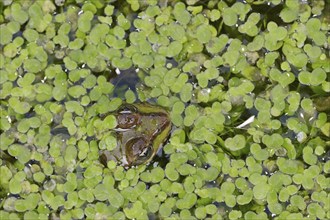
[(229, 17), (284, 79), (315, 78), (135, 211), (181, 14), (236, 143), (204, 34), (290, 12), (288, 166), (18, 106), (6, 35)]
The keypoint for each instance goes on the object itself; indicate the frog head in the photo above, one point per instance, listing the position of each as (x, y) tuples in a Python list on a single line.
[(141, 131)]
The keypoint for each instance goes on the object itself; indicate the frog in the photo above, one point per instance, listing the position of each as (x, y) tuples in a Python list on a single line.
[(141, 131)]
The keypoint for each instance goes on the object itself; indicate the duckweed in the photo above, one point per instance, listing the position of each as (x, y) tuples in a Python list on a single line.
[(245, 83)]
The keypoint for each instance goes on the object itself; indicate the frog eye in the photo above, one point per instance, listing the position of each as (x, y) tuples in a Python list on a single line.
[(144, 155), (138, 151), (127, 117), (126, 121)]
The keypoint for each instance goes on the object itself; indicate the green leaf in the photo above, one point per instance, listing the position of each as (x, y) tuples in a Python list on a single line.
[(236, 143), (229, 16)]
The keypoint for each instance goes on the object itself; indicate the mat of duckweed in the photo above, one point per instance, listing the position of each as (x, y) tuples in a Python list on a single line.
[(246, 84)]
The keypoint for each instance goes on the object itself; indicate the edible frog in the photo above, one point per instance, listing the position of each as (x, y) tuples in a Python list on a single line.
[(141, 131)]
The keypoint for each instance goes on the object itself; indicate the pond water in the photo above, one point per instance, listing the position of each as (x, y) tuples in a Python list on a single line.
[(245, 84)]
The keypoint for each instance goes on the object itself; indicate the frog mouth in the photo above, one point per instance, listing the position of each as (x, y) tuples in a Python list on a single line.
[(122, 129), (124, 161)]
